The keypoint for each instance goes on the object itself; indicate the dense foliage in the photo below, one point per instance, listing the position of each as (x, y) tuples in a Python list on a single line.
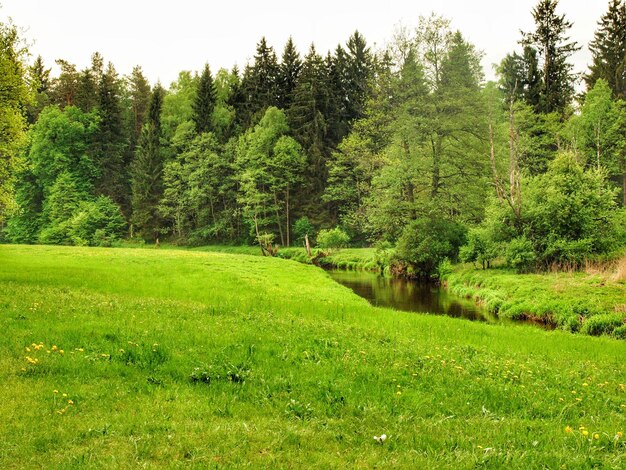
[(405, 145)]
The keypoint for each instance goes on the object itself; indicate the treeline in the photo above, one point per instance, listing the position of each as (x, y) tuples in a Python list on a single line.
[(405, 146)]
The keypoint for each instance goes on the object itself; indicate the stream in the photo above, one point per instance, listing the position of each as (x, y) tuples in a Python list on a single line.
[(410, 296)]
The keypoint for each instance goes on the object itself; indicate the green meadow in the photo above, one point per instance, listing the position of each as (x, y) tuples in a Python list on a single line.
[(123, 358)]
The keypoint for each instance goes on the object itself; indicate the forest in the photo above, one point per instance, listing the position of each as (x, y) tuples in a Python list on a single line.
[(404, 147)]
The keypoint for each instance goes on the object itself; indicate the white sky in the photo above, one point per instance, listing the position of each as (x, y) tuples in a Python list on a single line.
[(165, 37)]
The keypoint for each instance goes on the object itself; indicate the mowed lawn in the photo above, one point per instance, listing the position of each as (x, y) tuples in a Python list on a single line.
[(123, 358)]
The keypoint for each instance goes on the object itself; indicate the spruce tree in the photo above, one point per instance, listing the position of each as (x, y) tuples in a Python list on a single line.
[(204, 103), (554, 48), (288, 73), (358, 76), (608, 50), (139, 103), (262, 86), (146, 172), (111, 140), (39, 84)]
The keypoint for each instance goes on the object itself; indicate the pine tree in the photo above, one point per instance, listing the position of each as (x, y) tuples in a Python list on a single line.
[(111, 140), (204, 103), (608, 50), (262, 80), (65, 86), (139, 103), (358, 76), (552, 45), (146, 172), (39, 84), (288, 73)]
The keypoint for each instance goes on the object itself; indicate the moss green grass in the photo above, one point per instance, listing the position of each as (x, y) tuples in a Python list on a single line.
[(178, 358)]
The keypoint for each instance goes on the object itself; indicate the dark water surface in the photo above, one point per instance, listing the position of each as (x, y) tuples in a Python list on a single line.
[(409, 296)]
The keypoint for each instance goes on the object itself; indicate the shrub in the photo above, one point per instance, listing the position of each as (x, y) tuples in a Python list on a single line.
[(426, 242), (480, 247), (520, 254), (333, 238), (96, 223)]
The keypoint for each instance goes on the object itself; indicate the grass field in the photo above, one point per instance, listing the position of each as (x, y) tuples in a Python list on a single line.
[(122, 358)]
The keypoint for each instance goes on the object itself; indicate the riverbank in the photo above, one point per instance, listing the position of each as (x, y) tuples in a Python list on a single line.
[(592, 304), (169, 358)]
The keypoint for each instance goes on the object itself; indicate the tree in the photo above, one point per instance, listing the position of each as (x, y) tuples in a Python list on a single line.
[(65, 86), (139, 103), (306, 116), (204, 103), (199, 192), (552, 45), (270, 164), (608, 50), (178, 103), (146, 172), (358, 69), (260, 83), (39, 84), (111, 140), (14, 97), (595, 132), (288, 74)]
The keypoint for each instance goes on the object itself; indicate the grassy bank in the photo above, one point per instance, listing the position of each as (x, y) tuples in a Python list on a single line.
[(116, 358), (576, 301), (356, 259)]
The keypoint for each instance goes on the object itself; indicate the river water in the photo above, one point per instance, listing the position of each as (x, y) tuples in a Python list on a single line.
[(410, 296)]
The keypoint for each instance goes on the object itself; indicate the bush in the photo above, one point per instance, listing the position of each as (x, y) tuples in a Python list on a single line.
[(333, 238), (480, 247), (520, 254), (569, 215), (96, 223), (426, 242)]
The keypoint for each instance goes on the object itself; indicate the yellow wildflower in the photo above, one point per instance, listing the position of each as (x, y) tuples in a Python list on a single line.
[(585, 432), (568, 429), (596, 436)]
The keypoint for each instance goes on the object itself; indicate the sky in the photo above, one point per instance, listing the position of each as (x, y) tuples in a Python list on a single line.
[(165, 37)]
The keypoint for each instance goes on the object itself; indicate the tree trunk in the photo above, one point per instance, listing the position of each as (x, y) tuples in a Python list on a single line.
[(287, 215), (306, 244)]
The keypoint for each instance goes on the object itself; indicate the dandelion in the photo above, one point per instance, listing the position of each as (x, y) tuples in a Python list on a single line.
[(596, 436), (55, 391), (70, 402), (61, 352), (585, 432), (585, 384), (54, 347), (568, 429)]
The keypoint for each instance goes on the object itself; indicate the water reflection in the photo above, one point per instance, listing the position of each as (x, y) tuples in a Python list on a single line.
[(409, 296)]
